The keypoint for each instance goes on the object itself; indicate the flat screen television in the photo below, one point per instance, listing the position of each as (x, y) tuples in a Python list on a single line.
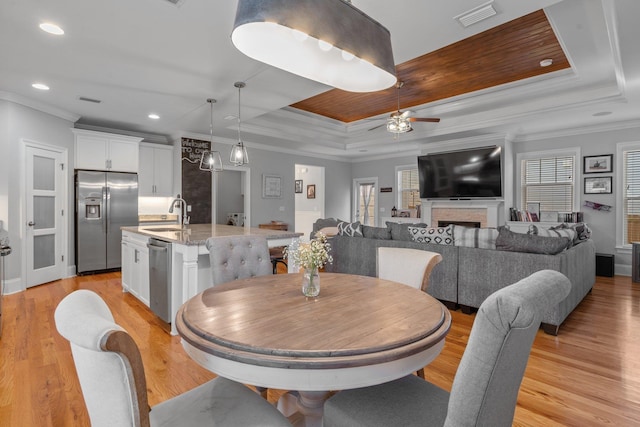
[(465, 174)]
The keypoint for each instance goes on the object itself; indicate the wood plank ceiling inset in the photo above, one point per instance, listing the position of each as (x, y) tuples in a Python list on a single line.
[(504, 54)]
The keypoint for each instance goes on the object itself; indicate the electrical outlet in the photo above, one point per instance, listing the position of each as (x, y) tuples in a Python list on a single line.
[(382, 210), (188, 208), (281, 208)]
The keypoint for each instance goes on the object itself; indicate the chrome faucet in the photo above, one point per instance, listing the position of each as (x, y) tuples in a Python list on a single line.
[(183, 218)]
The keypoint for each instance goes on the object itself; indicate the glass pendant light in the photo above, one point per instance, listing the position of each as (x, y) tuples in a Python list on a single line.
[(239, 156), (211, 160)]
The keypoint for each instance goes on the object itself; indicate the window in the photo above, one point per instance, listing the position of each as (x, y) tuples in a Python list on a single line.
[(630, 192), (408, 188), (548, 178)]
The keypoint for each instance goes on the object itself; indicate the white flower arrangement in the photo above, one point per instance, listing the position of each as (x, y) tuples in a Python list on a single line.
[(312, 255)]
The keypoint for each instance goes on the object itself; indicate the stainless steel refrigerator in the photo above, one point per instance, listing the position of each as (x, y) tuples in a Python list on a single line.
[(105, 202)]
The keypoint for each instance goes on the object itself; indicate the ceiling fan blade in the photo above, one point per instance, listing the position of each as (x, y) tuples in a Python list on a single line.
[(424, 119), (405, 114), (379, 126)]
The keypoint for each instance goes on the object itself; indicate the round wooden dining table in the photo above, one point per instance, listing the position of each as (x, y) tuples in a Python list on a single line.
[(359, 331)]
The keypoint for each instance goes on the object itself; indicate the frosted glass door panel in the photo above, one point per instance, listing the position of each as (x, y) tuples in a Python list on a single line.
[(44, 250), (43, 173), (44, 212)]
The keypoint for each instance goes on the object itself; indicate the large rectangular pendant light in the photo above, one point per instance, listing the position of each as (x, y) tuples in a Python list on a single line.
[(329, 41)]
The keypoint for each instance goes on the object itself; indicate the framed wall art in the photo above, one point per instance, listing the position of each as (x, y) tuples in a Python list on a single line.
[(271, 186), (311, 191), (298, 186), (598, 185), (598, 164)]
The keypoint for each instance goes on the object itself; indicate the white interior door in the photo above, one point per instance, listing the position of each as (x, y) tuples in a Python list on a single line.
[(45, 194), (365, 201)]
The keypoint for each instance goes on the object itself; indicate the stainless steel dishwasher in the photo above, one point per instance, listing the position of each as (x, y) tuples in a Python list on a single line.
[(160, 278)]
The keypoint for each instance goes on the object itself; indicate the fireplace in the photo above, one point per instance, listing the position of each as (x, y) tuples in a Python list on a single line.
[(488, 213), (473, 224)]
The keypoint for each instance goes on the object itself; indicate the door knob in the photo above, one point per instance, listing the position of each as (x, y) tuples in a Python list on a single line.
[(31, 223)]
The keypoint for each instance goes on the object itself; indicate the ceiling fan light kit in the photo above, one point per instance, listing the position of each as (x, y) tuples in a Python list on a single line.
[(328, 41)]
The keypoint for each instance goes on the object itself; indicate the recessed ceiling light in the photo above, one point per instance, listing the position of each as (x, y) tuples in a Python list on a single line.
[(154, 116), (51, 28), (602, 113), (40, 86), (546, 62)]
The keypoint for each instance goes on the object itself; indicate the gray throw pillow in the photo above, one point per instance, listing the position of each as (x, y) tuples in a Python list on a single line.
[(400, 231), (470, 237), (555, 232), (379, 233), (516, 242)]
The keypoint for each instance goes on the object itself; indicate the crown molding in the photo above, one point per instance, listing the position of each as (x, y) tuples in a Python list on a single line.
[(39, 106)]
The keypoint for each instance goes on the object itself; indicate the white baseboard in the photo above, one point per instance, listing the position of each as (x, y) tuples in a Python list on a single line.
[(623, 270), (13, 286), (71, 271)]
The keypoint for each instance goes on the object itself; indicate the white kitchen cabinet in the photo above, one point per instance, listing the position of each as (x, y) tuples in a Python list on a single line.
[(135, 266), (105, 151), (155, 174)]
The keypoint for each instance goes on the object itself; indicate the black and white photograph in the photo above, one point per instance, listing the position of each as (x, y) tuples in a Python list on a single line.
[(598, 164), (599, 185), (298, 186)]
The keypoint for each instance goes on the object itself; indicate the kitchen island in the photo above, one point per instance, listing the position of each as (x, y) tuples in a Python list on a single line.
[(190, 268)]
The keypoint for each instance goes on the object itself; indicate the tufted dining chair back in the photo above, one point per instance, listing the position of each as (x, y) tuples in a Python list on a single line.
[(238, 257), (112, 378), (411, 267)]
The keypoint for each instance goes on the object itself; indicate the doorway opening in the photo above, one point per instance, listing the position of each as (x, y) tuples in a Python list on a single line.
[(309, 197)]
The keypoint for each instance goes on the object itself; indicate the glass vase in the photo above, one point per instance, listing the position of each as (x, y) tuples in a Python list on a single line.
[(311, 282)]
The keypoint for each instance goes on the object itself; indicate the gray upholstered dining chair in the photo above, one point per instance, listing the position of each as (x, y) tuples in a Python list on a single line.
[(486, 384), (238, 257), (409, 266), (113, 383)]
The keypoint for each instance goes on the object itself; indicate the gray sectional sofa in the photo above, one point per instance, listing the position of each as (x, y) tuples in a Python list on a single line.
[(468, 275)]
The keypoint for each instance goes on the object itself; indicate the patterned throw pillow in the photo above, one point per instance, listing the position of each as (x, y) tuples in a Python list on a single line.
[(583, 232), (559, 232), (437, 235), (484, 238), (352, 229)]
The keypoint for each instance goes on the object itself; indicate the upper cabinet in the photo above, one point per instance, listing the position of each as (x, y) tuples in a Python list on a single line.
[(106, 151), (155, 177)]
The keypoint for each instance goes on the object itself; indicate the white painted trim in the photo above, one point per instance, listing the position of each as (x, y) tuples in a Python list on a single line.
[(577, 171), (621, 147)]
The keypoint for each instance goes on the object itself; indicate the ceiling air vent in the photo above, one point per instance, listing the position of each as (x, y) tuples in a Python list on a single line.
[(476, 15), (95, 101)]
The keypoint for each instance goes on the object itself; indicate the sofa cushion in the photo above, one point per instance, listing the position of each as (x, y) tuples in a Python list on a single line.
[(507, 240), (551, 232), (380, 233), (471, 237), (400, 231), (352, 229), (436, 235)]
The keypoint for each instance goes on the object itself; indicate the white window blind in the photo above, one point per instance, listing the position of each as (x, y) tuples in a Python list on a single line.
[(631, 196), (549, 181), (408, 189)]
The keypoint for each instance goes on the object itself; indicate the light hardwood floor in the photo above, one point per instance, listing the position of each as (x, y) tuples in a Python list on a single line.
[(589, 375)]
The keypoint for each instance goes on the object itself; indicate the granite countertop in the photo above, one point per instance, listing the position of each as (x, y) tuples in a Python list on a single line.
[(197, 234)]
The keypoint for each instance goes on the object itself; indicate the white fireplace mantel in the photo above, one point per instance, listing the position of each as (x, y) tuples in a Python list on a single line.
[(494, 208)]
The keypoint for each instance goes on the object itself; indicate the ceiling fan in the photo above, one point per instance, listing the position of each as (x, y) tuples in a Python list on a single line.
[(400, 121)]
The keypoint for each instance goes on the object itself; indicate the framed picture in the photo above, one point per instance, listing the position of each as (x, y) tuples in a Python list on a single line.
[(298, 186), (311, 191), (598, 185), (598, 164), (271, 186), (549, 216)]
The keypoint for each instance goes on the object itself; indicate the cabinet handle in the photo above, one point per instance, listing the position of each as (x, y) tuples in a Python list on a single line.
[(135, 256)]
